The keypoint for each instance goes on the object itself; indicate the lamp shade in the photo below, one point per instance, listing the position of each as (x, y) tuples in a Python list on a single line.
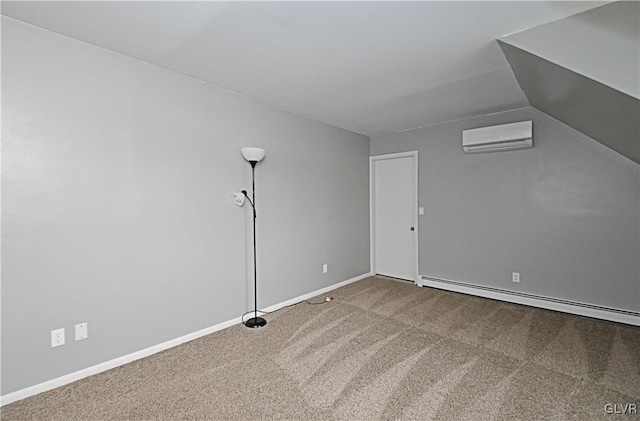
[(253, 154)]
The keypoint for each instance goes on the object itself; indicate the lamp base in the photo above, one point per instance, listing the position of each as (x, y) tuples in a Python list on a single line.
[(255, 322)]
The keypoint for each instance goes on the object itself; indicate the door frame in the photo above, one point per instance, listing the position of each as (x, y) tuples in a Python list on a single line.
[(372, 214)]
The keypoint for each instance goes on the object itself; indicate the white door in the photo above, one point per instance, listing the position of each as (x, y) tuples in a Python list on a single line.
[(395, 215)]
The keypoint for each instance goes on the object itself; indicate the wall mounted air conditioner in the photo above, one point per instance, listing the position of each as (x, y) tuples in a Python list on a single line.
[(498, 138)]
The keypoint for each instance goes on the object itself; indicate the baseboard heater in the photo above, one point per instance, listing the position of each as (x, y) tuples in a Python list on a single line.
[(620, 312)]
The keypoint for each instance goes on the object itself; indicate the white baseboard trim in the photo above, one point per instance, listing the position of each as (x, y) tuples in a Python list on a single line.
[(107, 365), (313, 294), (566, 306), (125, 359)]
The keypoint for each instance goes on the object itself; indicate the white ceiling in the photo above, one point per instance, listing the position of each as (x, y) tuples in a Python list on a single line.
[(370, 67)]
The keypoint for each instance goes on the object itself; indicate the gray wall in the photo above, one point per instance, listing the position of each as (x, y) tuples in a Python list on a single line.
[(564, 214), (116, 192)]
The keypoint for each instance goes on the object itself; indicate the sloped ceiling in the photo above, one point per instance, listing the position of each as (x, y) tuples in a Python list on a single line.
[(585, 72), (370, 67)]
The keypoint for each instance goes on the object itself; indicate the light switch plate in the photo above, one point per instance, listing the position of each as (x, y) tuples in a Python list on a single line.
[(82, 331), (420, 210)]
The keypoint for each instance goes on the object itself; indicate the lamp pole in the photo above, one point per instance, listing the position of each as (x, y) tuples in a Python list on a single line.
[(253, 155), (255, 321)]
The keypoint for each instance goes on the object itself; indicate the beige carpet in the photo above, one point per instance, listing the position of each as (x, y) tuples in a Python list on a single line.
[(383, 349)]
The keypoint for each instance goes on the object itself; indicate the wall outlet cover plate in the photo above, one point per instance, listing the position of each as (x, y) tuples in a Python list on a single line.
[(57, 337)]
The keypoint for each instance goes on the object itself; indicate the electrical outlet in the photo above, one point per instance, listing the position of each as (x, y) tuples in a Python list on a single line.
[(515, 276), (420, 210), (57, 337), (325, 269), (82, 331)]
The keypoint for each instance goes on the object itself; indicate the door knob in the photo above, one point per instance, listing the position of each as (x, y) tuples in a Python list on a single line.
[(412, 228)]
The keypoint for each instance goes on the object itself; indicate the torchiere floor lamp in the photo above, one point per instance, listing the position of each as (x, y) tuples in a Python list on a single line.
[(254, 155)]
